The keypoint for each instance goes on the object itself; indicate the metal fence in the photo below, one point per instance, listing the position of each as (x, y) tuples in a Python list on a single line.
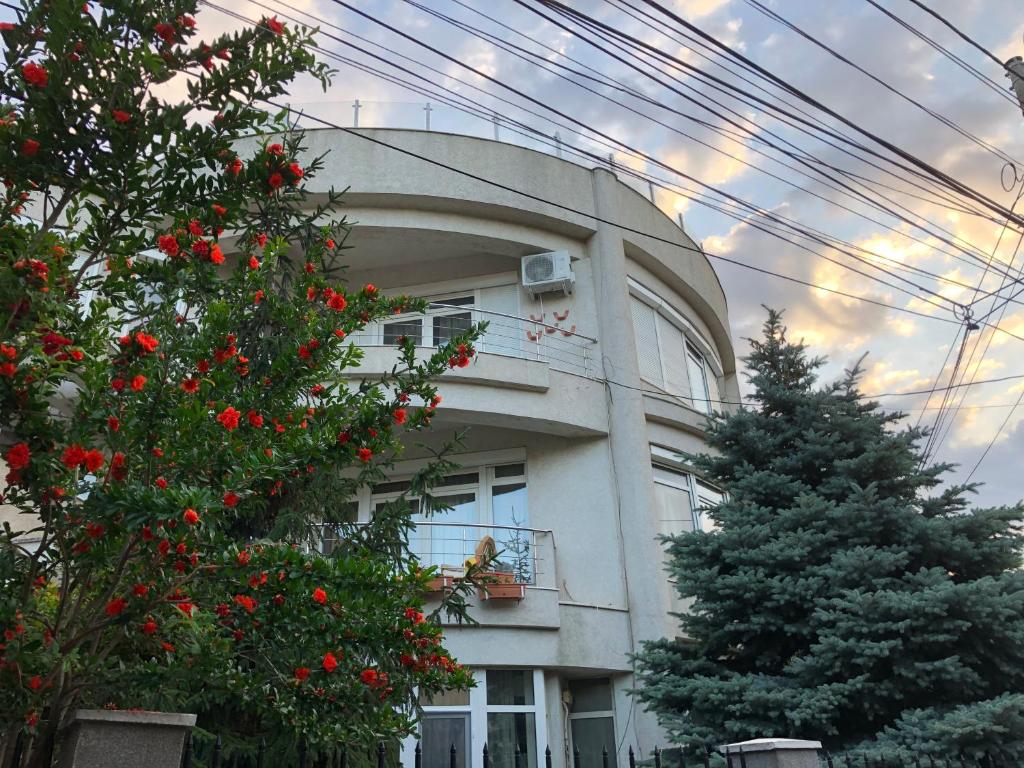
[(674, 757), (548, 338)]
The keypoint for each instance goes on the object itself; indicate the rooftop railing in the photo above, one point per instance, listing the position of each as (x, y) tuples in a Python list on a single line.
[(442, 118)]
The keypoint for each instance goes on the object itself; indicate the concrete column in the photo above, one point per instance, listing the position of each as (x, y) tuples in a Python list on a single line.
[(772, 753), (646, 583), (100, 738)]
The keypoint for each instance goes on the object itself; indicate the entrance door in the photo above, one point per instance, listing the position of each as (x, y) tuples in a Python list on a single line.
[(440, 731)]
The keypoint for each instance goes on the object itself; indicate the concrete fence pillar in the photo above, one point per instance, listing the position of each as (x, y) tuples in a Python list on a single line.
[(772, 753), (99, 738)]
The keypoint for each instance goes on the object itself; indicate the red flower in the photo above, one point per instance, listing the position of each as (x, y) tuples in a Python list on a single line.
[(140, 590), (229, 418), (201, 248), (369, 676), (255, 419), (261, 239), (149, 628), (330, 244), (168, 244), (30, 147), (138, 382), (164, 547), (319, 596), (254, 263), (73, 456), (301, 673), (120, 115), (244, 557), (258, 297), (158, 452), (93, 460), (235, 167), (275, 180), (370, 289), (330, 662), (115, 606), (399, 415), (220, 210), (165, 32), (147, 342), (117, 468), (311, 293), (18, 456), (53, 342), (216, 254), (185, 608), (35, 683), (203, 366), (274, 25), (246, 602), (35, 74), (275, 149), (114, 423), (231, 499), (190, 385), (364, 454), (337, 301), (296, 171), (8, 369), (190, 516)]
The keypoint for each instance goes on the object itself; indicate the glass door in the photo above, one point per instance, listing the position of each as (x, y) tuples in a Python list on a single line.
[(440, 732)]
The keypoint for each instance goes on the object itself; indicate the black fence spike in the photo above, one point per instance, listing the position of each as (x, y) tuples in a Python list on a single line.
[(186, 752), (487, 757), (828, 759), (453, 757), (417, 756), (576, 756), (632, 757), (303, 753), (743, 759), (682, 760), (707, 756), (547, 757), (517, 756), (343, 762), (604, 756), (381, 754), (261, 750), (217, 746), (917, 760), (657, 758)]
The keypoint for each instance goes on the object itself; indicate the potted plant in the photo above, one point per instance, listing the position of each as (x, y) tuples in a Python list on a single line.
[(497, 580)]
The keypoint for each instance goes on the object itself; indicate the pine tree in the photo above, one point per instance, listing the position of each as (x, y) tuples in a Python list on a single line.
[(842, 595)]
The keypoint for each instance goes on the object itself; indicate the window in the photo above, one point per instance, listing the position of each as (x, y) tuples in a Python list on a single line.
[(394, 333), (669, 359), (485, 501), (445, 319), (511, 717), (592, 720), (505, 710), (681, 497), (331, 534)]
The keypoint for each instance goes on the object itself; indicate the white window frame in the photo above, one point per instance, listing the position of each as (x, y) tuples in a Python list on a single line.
[(612, 751), (672, 462), (478, 709), (426, 319), (695, 345)]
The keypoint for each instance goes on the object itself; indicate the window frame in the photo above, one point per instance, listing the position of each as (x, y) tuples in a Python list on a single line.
[(426, 318), (674, 463), (479, 709), (694, 344)]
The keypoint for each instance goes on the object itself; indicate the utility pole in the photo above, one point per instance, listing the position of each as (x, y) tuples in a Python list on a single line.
[(1015, 71)]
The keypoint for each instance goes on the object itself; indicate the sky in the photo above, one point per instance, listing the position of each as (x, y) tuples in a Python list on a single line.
[(902, 352)]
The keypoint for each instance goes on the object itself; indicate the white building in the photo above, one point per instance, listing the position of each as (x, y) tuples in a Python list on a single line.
[(577, 409)]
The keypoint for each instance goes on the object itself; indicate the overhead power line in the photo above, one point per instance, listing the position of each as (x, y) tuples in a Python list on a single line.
[(940, 176)]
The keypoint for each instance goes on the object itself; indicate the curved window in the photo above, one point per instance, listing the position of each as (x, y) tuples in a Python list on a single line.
[(670, 360)]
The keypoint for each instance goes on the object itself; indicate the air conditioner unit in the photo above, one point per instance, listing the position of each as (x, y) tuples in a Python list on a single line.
[(544, 272)]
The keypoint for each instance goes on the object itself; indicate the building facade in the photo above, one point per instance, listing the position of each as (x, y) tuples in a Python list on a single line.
[(576, 413)]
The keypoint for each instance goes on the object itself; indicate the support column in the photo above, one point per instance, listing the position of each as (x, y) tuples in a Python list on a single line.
[(646, 582)]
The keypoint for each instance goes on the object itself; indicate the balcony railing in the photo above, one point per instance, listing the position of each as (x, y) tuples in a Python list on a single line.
[(526, 553), (548, 338)]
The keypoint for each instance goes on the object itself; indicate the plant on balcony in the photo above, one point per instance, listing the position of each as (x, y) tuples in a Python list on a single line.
[(173, 323), (495, 579)]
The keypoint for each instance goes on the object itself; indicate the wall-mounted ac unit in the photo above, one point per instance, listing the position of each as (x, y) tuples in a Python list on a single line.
[(544, 272)]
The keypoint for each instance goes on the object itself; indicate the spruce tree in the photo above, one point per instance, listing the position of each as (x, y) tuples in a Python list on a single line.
[(842, 594)]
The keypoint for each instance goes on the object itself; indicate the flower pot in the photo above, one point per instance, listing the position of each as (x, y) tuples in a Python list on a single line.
[(438, 585), (500, 586), (100, 738)]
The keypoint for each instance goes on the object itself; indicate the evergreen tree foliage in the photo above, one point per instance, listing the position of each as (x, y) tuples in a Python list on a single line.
[(841, 595)]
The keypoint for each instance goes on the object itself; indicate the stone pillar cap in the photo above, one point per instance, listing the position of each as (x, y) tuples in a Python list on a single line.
[(768, 745), (134, 716)]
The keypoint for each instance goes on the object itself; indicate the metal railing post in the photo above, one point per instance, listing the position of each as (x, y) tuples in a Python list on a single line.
[(381, 753), (453, 757), (215, 761), (417, 756), (657, 758), (547, 757), (632, 757)]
